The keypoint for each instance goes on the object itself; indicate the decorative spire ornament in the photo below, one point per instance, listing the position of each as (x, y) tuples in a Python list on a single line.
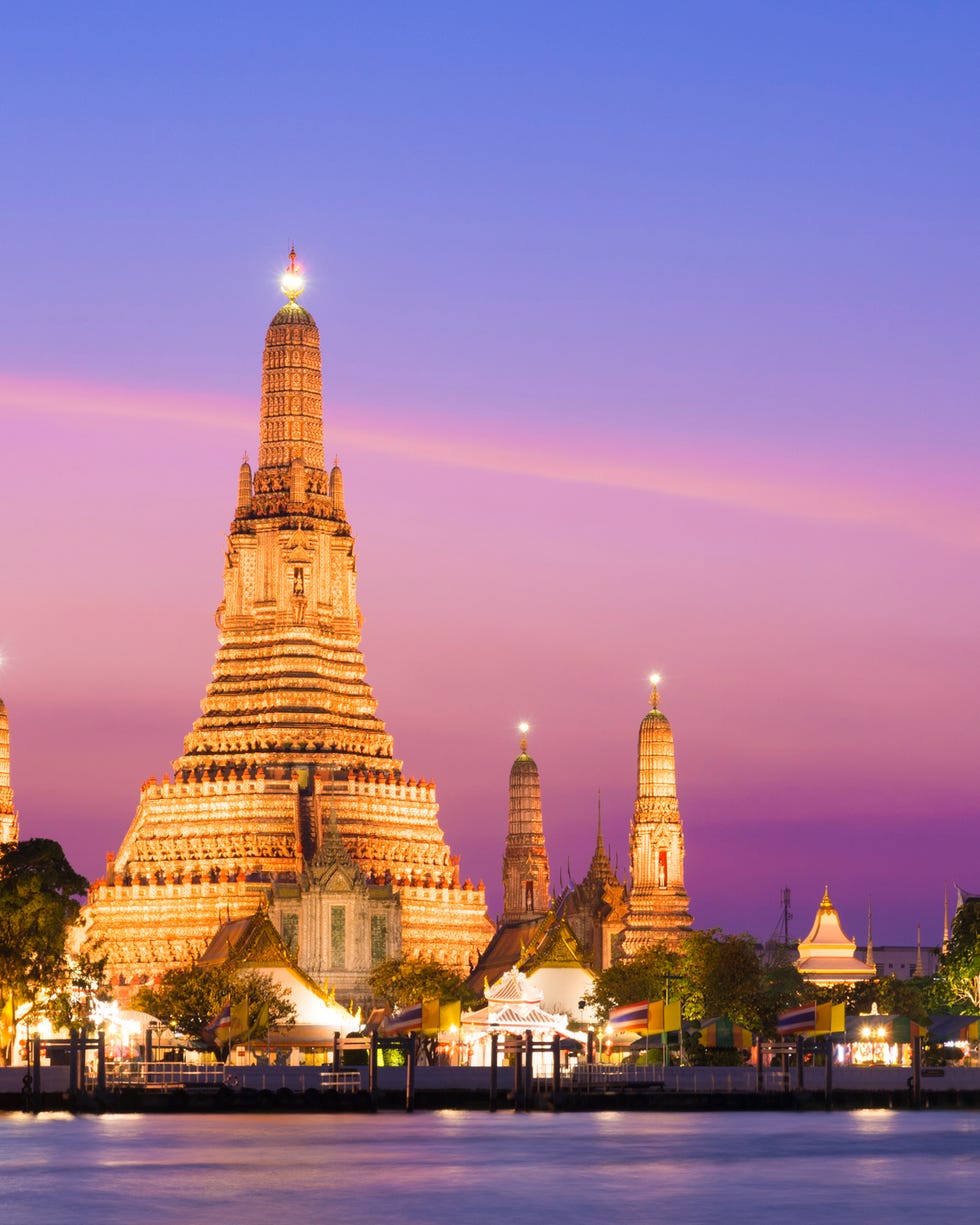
[(292, 282)]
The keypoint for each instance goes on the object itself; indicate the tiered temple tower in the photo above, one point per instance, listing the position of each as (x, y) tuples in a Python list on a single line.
[(596, 909), (527, 880), (289, 739), (658, 901), (9, 828)]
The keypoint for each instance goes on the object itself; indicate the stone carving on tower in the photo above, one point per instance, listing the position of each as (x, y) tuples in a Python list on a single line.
[(658, 901), (527, 880), (9, 826), (288, 734)]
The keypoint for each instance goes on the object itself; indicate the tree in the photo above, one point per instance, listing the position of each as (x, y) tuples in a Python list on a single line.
[(643, 977), (72, 1005), (402, 981), (915, 998), (711, 973), (39, 892), (187, 999), (959, 966)]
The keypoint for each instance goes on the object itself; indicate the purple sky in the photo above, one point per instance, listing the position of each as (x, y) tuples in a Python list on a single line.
[(649, 342)]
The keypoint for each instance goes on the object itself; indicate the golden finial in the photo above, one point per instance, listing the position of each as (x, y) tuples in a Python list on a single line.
[(524, 728), (826, 904), (655, 679), (292, 284)]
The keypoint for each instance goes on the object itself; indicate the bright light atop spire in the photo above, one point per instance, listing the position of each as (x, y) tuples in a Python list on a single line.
[(524, 728), (292, 283), (655, 678)]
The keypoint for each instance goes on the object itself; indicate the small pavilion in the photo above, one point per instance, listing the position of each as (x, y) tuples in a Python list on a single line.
[(827, 957)]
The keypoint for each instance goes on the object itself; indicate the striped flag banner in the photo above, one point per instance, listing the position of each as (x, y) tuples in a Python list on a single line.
[(797, 1020), (635, 1017), (405, 1022), (218, 1028)]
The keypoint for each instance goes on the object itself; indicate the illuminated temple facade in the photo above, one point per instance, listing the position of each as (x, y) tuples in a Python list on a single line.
[(288, 783), (526, 875), (658, 902), (9, 831)]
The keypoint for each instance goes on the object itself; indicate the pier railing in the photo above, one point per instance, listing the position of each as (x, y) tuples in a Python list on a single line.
[(170, 1076)]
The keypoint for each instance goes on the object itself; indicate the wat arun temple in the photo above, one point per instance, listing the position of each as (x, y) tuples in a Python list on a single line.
[(288, 799), (288, 793)]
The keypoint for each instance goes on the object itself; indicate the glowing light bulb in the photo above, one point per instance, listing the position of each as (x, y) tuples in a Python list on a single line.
[(655, 678), (524, 728)]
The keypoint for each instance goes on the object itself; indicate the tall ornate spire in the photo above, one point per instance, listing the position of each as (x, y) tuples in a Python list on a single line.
[(918, 972), (526, 874), (945, 918), (288, 754), (658, 905), (291, 423), (8, 814), (870, 955)]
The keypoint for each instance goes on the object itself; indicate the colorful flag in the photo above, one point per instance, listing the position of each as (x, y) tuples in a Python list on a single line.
[(829, 1019), (797, 1020), (407, 1021), (632, 1017), (261, 1021), (238, 1027), (646, 1017), (219, 1027), (437, 1016), (7, 1025)]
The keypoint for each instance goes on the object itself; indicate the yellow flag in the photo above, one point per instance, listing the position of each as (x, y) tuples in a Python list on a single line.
[(655, 1017), (7, 1023), (449, 1014), (829, 1019), (672, 1016), (430, 1017), (239, 1022)]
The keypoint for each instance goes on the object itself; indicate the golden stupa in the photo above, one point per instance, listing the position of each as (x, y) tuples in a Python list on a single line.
[(8, 813), (288, 752), (658, 902)]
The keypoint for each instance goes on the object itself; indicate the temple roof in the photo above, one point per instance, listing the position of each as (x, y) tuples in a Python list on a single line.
[(827, 954), (292, 312)]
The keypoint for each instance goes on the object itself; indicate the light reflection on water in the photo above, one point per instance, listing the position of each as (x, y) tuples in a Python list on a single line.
[(458, 1168)]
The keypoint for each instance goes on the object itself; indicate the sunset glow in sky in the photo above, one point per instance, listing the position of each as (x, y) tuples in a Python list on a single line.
[(650, 343)]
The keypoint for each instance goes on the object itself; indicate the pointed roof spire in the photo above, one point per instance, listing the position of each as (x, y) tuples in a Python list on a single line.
[(869, 955), (655, 679), (918, 971), (598, 831), (292, 283), (524, 728), (945, 917)]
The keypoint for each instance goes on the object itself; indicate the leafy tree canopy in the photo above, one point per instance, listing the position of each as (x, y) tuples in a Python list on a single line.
[(402, 981), (959, 966), (711, 973), (187, 999), (39, 903)]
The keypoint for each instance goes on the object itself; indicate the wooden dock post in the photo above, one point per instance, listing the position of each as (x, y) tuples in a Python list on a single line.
[(100, 1074), (829, 1071), (494, 1040), (412, 1047)]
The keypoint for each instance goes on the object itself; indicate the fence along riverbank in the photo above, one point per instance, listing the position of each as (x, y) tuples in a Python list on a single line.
[(518, 1085)]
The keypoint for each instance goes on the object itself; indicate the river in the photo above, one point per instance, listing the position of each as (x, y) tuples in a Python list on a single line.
[(462, 1167)]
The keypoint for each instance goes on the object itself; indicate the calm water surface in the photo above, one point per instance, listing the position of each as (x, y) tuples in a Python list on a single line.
[(453, 1168)]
